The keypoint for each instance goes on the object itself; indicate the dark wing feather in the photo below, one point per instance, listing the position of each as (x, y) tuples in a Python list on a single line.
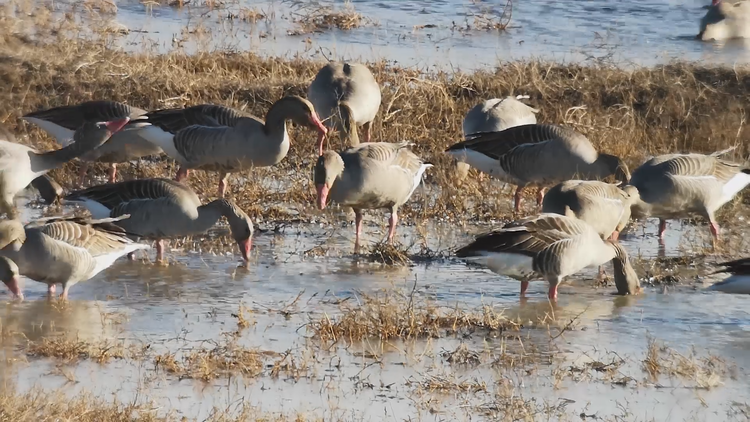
[(176, 119), (74, 116), (739, 266), (497, 144), (112, 194)]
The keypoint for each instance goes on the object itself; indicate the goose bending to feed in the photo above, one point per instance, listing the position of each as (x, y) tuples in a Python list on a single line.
[(604, 206), (494, 115), (739, 280), (681, 185), (551, 247), (9, 274), (125, 145), (541, 155), (215, 138), (371, 175), (63, 250), (162, 209), (725, 20), (346, 95), (50, 191), (20, 165)]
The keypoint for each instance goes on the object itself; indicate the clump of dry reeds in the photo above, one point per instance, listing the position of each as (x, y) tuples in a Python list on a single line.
[(73, 349), (207, 364), (315, 17), (702, 372)]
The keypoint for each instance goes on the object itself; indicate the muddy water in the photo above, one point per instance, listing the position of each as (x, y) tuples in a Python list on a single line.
[(626, 32), (189, 304)]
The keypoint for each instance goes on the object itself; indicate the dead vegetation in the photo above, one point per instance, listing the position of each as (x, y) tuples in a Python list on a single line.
[(73, 349), (316, 17), (699, 372), (221, 361)]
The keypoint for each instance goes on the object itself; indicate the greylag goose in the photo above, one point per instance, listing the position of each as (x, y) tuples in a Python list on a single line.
[(162, 209), (125, 145), (739, 280), (551, 247), (541, 155), (681, 185), (604, 206), (20, 165), (50, 191), (494, 115), (369, 176), (221, 139), (725, 20), (63, 250), (346, 95)]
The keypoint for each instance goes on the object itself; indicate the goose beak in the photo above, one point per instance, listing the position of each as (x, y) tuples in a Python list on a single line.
[(322, 195), (114, 126), (13, 287), (245, 246)]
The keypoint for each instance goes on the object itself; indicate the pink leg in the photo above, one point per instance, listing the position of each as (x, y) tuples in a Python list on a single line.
[(223, 184), (540, 196), (552, 293), (357, 229), (392, 226), (715, 231), (51, 289), (113, 173), (64, 294), (182, 174), (159, 250), (524, 287), (82, 173), (614, 236), (517, 205), (662, 229), (368, 128)]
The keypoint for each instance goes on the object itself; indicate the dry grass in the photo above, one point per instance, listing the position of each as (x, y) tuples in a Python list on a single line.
[(698, 372), (316, 17), (222, 361), (74, 349)]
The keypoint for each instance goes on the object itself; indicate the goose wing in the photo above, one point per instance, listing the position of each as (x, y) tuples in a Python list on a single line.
[(497, 144), (113, 194), (175, 119), (98, 238), (74, 116)]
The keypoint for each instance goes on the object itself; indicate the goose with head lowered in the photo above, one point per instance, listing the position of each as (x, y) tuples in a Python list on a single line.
[(371, 175), (20, 165), (125, 145), (725, 20), (683, 185), (541, 155), (62, 250), (220, 139), (739, 280), (346, 95), (550, 247), (162, 209)]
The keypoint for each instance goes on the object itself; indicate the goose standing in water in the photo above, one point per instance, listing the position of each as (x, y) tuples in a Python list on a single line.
[(20, 165), (369, 176), (125, 145), (495, 115), (603, 206), (541, 155), (682, 185), (220, 139), (162, 209), (739, 280), (346, 95), (551, 247), (62, 250), (725, 20)]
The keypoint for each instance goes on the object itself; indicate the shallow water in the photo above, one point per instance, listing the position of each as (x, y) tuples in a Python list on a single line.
[(624, 32), (189, 304)]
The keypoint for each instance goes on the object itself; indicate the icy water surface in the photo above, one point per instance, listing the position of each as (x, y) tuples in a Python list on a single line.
[(189, 305), (444, 33)]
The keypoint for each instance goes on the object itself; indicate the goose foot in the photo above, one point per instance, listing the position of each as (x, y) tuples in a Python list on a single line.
[(392, 221), (64, 294), (113, 173), (524, 287)]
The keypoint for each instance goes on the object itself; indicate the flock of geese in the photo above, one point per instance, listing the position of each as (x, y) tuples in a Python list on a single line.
[(578, 226)]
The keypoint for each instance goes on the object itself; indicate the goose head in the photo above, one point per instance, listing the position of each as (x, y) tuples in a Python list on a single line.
[(97, 133), (626, 279), (9, 275), (330, 166), (241, 227), (301, 112), (612, 165)]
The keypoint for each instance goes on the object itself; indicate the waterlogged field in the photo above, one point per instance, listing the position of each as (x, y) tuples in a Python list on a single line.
[(311, 331)]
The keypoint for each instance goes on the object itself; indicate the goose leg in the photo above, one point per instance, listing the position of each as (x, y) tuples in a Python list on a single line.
[(51, 288), (517, 204), (392, 221), (82, 173), (662, 229), (553, 282), (540, 197), (113, 173), (160, 250), (357, 229), (524, 287), (715, 230), (614, 236), (223, 184), (182, 174), (64, 294), (367, 128)]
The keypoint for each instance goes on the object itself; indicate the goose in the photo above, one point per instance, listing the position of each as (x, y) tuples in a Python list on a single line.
[(346, 95), (9, 275), (604, 206), (739, 280), (20, 165), (371, 175), (220, 139), (549, 246), (494, 115), (537, 154), (126, 145), (681, 185), (162, 209), (725, 20), (63, 250), (50, 191)]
